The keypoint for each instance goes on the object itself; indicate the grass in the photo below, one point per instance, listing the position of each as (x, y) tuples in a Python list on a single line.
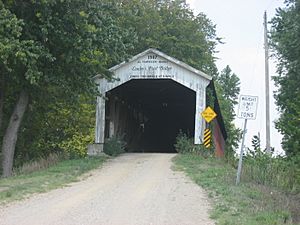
[(21, 186), (245, 204)]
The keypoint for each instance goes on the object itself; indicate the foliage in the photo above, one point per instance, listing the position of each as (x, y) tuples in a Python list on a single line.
[(272, 170), (76, 145), (59, 127), (256, 142), (51, 49), (64, 172), (114, 146), (20, 58), (245, 204), (172, 27), (279, 172), (184, 144), (229, 83), (228, 89), (285, 43)]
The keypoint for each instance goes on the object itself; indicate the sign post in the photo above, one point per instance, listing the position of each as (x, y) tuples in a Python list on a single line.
[(247, 110)]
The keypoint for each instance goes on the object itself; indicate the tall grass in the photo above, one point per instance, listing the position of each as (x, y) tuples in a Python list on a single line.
[(244, 204), (280, 172), (39, 164), (259, 167)]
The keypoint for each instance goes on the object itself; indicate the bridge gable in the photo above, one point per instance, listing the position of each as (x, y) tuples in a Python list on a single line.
[(153, 64)]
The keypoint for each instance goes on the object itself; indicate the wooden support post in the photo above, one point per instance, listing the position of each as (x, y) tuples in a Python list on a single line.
[(199, 121), (111, 117), (100, 123)]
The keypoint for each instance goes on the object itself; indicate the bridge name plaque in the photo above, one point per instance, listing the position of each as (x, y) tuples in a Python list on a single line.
[(151, 67)]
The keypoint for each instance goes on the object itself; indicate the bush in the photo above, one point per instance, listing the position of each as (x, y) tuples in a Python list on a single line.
[(57, 126), (114, 146), (76, 146), (185, 144)]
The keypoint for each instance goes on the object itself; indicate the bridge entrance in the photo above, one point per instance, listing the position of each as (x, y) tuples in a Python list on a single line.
[(149, 114)]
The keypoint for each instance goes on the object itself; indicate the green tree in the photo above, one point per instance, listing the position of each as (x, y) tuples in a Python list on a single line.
[(19, 66), (230, 84), (285, 41), (60, 46), (228, 89), (172, 27)]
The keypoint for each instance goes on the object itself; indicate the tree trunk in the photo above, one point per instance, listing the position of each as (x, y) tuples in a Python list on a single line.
[(1, 106), (11, 134), (1, 101)]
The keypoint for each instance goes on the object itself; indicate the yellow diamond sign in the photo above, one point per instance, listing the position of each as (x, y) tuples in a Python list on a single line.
[(208, 114)]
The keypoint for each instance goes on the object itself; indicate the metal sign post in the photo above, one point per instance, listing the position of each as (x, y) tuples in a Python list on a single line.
[(247, 110), (238, 176)]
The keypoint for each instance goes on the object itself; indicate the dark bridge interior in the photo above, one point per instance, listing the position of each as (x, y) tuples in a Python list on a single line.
[(150, 113)]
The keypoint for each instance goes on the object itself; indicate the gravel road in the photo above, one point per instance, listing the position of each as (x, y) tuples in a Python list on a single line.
[(132, 189)]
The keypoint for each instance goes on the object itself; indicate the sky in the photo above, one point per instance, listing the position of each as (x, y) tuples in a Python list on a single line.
[(240, 24)]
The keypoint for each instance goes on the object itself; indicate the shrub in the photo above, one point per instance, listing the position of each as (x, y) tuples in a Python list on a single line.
[(185, 144), (76, 146), (114, 146)]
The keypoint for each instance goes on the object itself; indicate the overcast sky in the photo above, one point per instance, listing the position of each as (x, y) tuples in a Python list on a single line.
[(240, 24)]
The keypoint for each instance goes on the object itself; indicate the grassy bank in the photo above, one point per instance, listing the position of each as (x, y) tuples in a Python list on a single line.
[(246, 204), (59, 175)]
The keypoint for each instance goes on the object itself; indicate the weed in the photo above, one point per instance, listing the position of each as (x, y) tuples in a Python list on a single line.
[(185, 144), (247, 204), (277, 171), (114, 146), (39, 164)]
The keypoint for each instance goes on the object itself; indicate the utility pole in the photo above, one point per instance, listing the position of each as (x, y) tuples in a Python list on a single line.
[(267, 84)]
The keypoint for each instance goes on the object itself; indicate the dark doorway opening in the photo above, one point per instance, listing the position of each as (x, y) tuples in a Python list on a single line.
[(149, 114)]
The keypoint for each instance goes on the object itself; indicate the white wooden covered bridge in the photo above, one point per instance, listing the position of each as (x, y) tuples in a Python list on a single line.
[(153, 97)]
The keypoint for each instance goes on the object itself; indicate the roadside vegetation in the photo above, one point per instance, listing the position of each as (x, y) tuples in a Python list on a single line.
[(255, 201), (249, 203), (114, 146), (50, 173)]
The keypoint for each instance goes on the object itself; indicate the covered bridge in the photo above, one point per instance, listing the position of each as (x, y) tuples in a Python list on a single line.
[(153, 97)]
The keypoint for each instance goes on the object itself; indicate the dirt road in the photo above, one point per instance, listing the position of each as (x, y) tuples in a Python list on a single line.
[(133, 189)]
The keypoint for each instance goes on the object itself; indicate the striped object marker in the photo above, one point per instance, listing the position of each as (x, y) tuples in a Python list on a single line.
[(207, 138)]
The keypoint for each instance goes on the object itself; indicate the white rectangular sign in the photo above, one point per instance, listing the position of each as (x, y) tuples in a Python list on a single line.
[(247, 107)]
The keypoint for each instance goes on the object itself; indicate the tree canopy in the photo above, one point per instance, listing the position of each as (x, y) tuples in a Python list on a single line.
[(51, 49), (285, 42), (228, 89)]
